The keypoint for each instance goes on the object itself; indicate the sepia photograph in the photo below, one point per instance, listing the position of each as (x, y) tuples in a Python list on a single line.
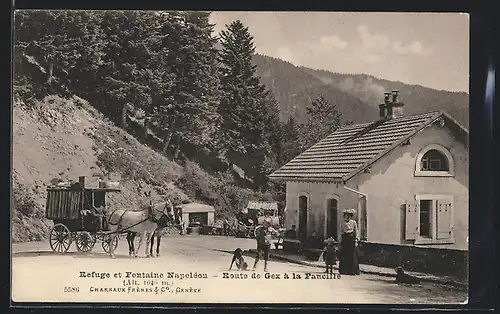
[(240, 157)]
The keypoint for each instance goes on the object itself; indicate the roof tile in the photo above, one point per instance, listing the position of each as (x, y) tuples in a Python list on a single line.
[(350, 147)]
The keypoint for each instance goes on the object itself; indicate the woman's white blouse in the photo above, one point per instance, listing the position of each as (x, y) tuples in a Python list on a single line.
[(350, 227)]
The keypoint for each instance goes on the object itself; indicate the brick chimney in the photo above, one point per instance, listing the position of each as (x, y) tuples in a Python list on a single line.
[(383, 107), (387, 97), (395, 94), (397, 106), (391, 108)]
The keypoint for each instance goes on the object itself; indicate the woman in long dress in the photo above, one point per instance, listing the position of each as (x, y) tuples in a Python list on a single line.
[(349, 264)]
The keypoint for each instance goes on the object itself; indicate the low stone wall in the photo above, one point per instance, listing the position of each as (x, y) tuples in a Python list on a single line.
[(430, 260)]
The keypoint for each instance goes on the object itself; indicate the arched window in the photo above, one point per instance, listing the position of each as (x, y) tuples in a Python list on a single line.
[(434, 160)]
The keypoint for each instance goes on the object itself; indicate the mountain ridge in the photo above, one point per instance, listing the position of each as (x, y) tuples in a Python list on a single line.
[(356, 96)]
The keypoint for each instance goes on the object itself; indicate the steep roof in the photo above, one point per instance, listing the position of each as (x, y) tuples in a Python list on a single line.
[(351, 149)]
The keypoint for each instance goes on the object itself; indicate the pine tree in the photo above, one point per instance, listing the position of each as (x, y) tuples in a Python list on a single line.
[(64, 44), (135, 70), (124, 61), (236, 82), (323, 119), (247, 109), (272, 138), (191, 115), (291, 140)]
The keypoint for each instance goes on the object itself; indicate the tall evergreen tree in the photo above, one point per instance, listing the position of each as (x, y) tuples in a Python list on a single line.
[(272, 138), (133, 72), (323, 119), (191, 116), (246, 108), (290, 140), (63, 44)]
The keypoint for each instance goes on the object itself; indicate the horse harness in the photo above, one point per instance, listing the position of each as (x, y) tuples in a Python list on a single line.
[(162, 220)]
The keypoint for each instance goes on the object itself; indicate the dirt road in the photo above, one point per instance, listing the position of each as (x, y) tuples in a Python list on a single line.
[(198, 270)]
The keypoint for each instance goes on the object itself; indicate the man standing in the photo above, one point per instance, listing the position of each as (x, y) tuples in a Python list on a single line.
[(263, 236), (292, 233)]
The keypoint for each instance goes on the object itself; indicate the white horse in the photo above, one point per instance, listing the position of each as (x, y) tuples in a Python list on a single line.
[(162, 224), (144, 222)]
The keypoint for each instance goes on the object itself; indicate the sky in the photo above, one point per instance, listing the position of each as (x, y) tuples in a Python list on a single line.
[(429, 49)]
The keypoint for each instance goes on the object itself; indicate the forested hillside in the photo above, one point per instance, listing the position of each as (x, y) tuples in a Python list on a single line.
[(161, 101), (140, 97), (356, 95)]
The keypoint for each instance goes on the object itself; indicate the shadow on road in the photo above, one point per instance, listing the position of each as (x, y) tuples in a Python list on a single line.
[(420, 291), (382, 280), (45, 253), (101, 255), (424, 285), (105, 256)]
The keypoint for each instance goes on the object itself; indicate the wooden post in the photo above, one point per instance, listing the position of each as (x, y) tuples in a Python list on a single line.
[(81, 181)]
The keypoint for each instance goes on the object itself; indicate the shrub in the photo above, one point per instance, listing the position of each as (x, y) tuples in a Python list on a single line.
[(220, 192), (198, 184), (121, 153), (23, 201), (173, 194)]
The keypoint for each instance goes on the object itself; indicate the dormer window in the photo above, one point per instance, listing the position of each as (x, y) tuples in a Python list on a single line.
[(434, 161)]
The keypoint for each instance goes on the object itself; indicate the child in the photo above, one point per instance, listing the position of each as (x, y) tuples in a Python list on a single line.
[(329, 255), (263, 237)]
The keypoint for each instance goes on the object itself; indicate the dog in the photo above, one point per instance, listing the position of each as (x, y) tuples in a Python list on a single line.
[(238, 260), (403, 278)]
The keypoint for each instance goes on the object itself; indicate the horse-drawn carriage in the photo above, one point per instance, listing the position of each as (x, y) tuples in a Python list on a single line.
[(79, 216)]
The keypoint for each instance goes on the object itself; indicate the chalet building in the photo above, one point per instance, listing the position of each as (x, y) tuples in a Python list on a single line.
[(407, 177)]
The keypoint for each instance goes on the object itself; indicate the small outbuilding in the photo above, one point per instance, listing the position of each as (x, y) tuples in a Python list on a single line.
[(197, 213)]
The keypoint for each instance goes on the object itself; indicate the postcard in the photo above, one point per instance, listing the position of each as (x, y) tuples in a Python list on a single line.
[(240, 157)]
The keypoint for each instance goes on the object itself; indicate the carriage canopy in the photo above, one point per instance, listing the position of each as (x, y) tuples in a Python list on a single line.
[(66, 203)]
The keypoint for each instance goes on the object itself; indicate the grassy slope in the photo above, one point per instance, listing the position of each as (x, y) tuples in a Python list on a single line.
[(62, 138)]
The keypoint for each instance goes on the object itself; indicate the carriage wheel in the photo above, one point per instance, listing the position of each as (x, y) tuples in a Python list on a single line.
[(107, 241), (85, 241), (60, 238)]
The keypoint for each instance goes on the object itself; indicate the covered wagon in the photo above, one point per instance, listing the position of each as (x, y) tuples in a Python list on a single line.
[(79, 215)]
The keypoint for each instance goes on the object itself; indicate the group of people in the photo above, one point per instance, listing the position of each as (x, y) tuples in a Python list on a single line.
[(347, 251)]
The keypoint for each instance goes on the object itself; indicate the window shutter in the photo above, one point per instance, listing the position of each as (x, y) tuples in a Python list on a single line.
[(411, 215), (443, 219)]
